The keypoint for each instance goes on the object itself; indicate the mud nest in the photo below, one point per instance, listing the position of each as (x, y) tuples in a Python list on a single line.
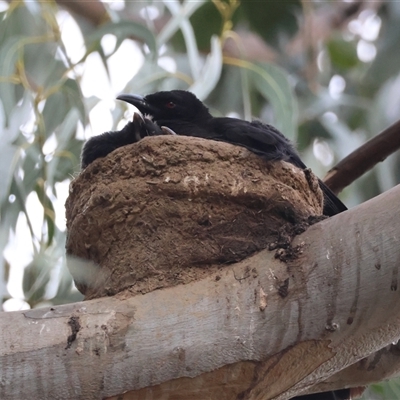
[(169, 210)]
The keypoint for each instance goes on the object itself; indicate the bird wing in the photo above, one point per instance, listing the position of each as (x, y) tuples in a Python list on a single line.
[(237, 130), (260, 138), (269, 143)]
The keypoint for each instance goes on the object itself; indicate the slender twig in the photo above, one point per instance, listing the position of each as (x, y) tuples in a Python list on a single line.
[(364, 158)]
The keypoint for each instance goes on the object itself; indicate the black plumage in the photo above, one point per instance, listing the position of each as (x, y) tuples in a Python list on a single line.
[(181, 112), (101, 145)]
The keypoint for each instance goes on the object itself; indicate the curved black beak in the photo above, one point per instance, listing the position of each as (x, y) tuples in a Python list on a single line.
[(139, 102)]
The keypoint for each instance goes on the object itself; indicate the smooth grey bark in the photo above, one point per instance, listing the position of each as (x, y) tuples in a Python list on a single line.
[(340, 304)]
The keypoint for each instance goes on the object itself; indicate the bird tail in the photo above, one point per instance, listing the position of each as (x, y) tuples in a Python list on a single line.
[(332, 204)]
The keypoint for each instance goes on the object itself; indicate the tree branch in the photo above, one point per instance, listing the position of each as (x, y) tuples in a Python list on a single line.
[(364, 158), (93, 11), (382, 365), (229, 333)]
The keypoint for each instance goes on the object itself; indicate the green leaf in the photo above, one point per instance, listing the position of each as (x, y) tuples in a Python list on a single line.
[(36, 44), (67, 130), (384, 113), (180, 20), (41, 64), (226, 97), (49, 214), (8, 59), (65, 283), (273, 84), (63, 162), (345, 141), (36, 277), (59, 104), (16, 19), (181, 13), (9, 151), (74, 98), (7, 156), (49, 217), (125, 30), (211, 71), (54, 112), (387, 61), (343, 54), (385, 390), (31, 167), (148, 78), (65, 293), (308, 131), (206, 23), (272, 20)]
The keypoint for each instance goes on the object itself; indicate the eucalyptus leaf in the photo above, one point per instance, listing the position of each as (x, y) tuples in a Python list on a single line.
[(31, 168), (65, 164), (67, 97), (147, 80), (9, 216), (272, 83), (9, 152), (54, 112), (49, 215), (45, 71), (90, 102), (74, 97), (343, 54), (385, 112), (345, 141), (65, 285), (36, 277), (9, 54), (125, 29), (67, 130), (210, 73), (272, 20), (185, 11), (226, 98), (15, 23), (63, 161), (387, 61), (386, 390), (180, 18), (206, 22)]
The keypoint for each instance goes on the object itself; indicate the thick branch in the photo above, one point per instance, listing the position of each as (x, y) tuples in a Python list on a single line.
[(364, 158), (382, 365), (233, 328), (92, 11)]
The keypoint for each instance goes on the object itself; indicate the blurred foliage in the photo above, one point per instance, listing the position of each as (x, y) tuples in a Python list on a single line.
[(329, 90), (383, 391)]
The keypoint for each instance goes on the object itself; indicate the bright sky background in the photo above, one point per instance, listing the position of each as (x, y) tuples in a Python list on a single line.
[(95, 82)]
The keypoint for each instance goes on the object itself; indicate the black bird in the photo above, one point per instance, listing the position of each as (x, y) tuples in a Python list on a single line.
[(101, 145), (185, 114), (181, 112)]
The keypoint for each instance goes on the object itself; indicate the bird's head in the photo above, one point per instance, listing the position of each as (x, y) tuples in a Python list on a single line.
[(169, 106)]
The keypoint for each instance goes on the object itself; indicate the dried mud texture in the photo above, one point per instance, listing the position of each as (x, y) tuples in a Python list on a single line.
[(172, 209)]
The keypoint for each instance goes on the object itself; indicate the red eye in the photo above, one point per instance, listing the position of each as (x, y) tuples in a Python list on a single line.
[(170, 104)]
